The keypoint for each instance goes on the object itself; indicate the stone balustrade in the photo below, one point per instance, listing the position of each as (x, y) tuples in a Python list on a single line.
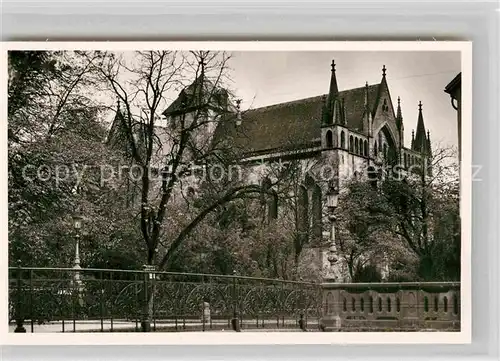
[(390, 306)]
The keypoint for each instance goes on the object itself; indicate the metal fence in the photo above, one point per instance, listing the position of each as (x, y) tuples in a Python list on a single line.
[(105, 300)]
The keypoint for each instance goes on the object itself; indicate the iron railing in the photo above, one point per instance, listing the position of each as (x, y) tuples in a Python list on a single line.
[(89, 300)]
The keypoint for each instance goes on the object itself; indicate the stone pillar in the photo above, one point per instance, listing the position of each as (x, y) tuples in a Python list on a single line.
[(331, 308), (410, 308)]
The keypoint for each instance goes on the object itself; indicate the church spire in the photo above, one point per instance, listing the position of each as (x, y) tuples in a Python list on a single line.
[(399, 122), (367, 120), (334, 90), (420, 144), (332, 112), (399, 114)]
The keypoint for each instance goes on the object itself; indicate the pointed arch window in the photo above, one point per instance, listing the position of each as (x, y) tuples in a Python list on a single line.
[(385, 150), (303, 212), (329, 139), (365, 148), (375, 149), (342, 140), (310, 210), (317, 213), (269, 200), (356, 146), (351, 144)]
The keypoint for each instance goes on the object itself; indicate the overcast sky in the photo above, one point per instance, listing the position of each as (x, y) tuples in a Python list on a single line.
[(265, 78)]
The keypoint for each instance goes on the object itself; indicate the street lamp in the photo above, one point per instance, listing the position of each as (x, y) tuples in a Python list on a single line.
[(332, 199), (77, 222), (77, 225)]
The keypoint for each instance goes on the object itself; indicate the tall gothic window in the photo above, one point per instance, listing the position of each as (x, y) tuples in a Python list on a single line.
[(317, 213), (351, 144), (356, 146), (269, 200), (366, 148), (303, 212), (309, 212), (329, 139), (342, 140)]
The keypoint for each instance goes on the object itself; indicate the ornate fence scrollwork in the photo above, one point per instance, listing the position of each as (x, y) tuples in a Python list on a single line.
[(100, 300)]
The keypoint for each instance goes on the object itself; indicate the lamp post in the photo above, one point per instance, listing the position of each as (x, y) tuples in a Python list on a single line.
[(332, 199), (77, 225)]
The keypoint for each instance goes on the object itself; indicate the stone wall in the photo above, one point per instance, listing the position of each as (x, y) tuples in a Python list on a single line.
[(391, 306)]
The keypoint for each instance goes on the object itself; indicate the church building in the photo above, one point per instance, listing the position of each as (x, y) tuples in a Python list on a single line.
[(334, 136)]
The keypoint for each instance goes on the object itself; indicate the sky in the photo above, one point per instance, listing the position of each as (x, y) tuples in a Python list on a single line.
[(266, 78)]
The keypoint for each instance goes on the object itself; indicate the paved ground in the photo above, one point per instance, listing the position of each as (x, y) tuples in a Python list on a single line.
[(161, 326)]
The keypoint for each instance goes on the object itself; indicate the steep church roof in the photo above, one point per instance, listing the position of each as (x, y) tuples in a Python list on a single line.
[(295, 124)]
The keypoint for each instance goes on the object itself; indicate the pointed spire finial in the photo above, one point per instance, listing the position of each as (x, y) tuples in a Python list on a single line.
[(428, 135), (118, 107), (413, 134), (383, 71), (420, 106), (333, 64), (399, 101)]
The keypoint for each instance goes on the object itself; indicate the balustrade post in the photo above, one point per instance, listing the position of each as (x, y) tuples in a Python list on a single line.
[(330, 311), (19, 314)]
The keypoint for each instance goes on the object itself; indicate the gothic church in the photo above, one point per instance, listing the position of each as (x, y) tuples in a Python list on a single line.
[(349, 130)]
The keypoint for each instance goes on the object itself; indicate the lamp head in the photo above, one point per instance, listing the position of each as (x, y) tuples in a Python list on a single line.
[(77, 222), (332, 198)]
